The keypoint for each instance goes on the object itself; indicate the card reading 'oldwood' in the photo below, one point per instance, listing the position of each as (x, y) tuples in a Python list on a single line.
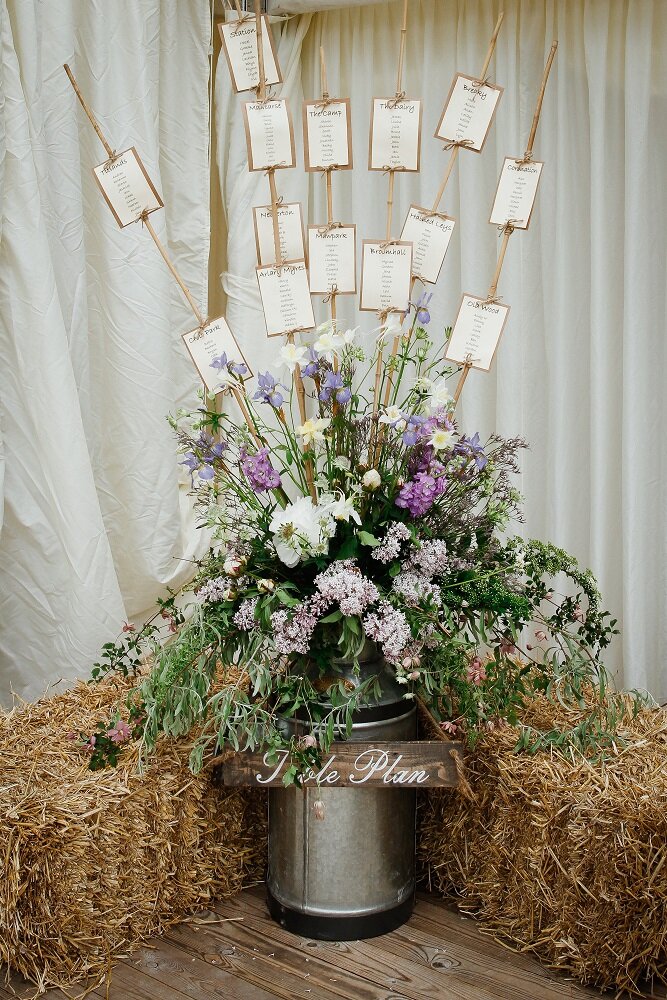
[(286, 298), (469, 111), (515, 195), (477, 331), (290, 231), (211, 342), (127, 188), (239, 41), (386, 272), (395, 138), (269, 135), (327, 134), (429, 234), (333, 259)]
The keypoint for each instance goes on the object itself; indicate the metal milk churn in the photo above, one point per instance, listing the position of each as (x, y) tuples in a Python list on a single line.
[(350, 874)]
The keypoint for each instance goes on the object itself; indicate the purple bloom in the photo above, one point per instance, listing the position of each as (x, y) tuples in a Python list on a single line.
[(206, 472), (219, 363), (222, 362), (268, 391), (190, 461), (473, 449), (419, 494), (333, 383), (423, 315), (310, 369), (258, 470)]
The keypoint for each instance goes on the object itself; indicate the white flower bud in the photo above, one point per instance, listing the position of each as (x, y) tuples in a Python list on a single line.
[(232, 566), (266, 586), (371, 479)]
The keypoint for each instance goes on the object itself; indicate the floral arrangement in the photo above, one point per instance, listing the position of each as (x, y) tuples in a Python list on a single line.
[(376, 518)]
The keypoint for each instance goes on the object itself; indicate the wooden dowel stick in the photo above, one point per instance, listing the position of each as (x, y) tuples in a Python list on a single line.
[(493, 287), (274, 215), (492, 45), (443, 184), (181, 284), (323, 73), (238, 8), (91, 117), (260, 52), (462, 379), (538, 108), (390, 203), (246, 415), (401, 52)]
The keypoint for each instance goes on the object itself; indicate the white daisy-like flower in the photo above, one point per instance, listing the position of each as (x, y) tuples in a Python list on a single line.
[(313, 430), (441, 439), (292, 355)]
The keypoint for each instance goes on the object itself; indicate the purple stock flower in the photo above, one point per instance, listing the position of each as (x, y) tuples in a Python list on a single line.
[(333, 383), (258, 470), (420, 493), (268, 391), (310, 369)]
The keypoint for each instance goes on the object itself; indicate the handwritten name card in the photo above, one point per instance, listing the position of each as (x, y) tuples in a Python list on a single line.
[(430, 236), (205, 344), (286, 298), (386, 271), (333, 259), (516, 192), (239, 41), (469, 111), (395, 139), (269, 134), (477, 331), (127, 188), (327, 134), (290, 231)]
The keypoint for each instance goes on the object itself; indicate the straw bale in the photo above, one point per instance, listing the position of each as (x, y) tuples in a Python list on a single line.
[(91, 863), (563, 859)]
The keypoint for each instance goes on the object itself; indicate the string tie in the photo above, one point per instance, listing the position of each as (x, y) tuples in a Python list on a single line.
[(323, 230), (526, 158), (492, 300), (331, 294), (327, 170), (481, 83), (508, 227), (398, 97), (387, 169), (389, 243), (432, 213), (326, 101), (461, 143), (274, 167)]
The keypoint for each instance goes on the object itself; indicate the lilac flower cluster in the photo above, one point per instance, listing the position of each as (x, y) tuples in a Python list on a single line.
[(293, 634), (430, 559), (416, 589), (218, 588), (245, 616), (344, 583), (420, 493), (390, 546), (390, 628), (258, 470)]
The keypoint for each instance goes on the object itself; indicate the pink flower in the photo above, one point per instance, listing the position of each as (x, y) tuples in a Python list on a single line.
[(120, 732), (414, 675), (507, 647), (449, 728), (578, 613), (89, 747), (129, 627), (476, 672), (308, 741), (540, 635)]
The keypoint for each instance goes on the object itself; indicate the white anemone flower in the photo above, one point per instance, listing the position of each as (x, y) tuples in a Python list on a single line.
[(439, 397), (300, 530), (292, 355), (313, 430)]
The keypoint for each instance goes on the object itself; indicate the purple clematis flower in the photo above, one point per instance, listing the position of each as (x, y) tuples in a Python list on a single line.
[(269, 390)]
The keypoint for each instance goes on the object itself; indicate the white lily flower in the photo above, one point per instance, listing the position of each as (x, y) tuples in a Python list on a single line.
[(292, 355), (392, 415), (439, 397), (313, 430), (342, 509)]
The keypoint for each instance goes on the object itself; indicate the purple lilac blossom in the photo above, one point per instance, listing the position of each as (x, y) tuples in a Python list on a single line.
[(420, 493), (258, 470), (344, 583), (390, 546), (292, 633), (245, 616), (390, 628)]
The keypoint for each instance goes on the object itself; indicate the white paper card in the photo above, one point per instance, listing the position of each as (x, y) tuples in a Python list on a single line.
[(240, 45), (127, 188), (476, 332), (286, 298), (212, 342), (326, 134), (395, 134), (386, 273), (469, 112), (430, 236), (269, 134), (515, 197), (290, 231), (332, 257)]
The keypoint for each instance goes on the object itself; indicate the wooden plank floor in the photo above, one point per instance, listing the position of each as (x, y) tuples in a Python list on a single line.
[(236, 952)]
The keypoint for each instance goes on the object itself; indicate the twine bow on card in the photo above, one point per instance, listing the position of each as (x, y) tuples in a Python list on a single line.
[(327, 170), (388, 169), (481, 83), (326, 101), (274, 166), (492, 300), (526, 158), (295, 329), (389, 243), (323, 230), (331, 295), (507, 228), (420, 277), (431, 213), (461, 143), (396, 99), (200, 329)]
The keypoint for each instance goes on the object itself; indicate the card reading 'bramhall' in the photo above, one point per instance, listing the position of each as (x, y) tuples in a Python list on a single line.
[(286, 298), (469, 111), (127, 188), (208, 344), (430, 235), (517, 189), (239, 41), (386, 273), (269, 135), (333, 259), (290, 233), (477, 331), (327, 134), (395, 137)]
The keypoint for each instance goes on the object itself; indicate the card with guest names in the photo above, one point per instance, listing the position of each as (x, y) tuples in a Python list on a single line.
[(286, 298), (477, 332), (333, 259), (395, 136), (290, 232), (469, 112), (203, 345), (127, 188), (269, 135), (430, 235), (516, 192), (386, 275), (327, 134), (239, 43)]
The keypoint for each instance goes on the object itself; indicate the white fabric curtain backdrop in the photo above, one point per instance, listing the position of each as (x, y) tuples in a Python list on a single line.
[(91, 358), (580, 371)]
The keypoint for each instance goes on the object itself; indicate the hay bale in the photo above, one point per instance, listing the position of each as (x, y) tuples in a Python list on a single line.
[(94, 862), (561, 859)]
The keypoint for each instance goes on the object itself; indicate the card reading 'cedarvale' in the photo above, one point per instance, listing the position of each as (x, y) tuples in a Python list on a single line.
[(127, 188), (395, 138), (239, 41), (204, 345), (477, 331), (269, 134), (430, 236), (327, 134), (290, 232), (386, 271), (286, 298), (333, 259), (469, 111), (515, 196)]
